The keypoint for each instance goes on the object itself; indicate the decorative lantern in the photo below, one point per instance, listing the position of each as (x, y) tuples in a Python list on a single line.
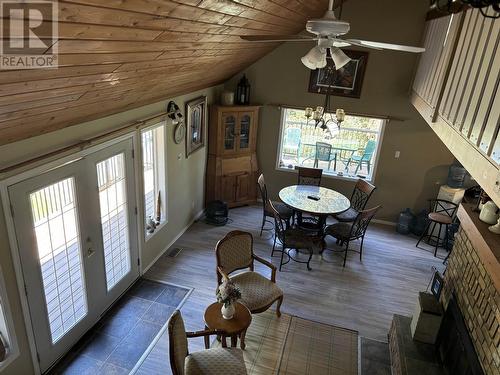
[(243, 91)]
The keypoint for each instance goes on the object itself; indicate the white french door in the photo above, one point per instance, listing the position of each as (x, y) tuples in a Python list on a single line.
[(77, 238)]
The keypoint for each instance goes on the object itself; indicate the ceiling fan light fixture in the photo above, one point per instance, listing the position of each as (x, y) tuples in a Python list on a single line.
[(315, 58), (340, 59)]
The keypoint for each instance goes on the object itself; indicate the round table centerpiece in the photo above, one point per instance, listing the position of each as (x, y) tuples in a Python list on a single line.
[(228, 294)]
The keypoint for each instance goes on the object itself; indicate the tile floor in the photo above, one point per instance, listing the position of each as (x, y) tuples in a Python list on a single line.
[(121, 337)]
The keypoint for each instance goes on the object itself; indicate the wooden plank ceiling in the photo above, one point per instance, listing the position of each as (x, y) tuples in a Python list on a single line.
[(115, 55)]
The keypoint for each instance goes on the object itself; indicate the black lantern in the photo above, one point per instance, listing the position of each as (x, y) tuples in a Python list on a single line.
[(243, 91)]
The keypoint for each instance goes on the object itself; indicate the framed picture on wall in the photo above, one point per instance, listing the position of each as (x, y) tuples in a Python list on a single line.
[(347, 81), (437, 285), (196, 113)]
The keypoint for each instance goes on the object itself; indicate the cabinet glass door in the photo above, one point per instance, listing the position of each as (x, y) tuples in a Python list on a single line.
[(245, 131), (229, 129)]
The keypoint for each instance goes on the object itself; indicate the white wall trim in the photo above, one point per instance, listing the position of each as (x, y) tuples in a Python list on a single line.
[(182, 231), (11, 234), (10, 334)]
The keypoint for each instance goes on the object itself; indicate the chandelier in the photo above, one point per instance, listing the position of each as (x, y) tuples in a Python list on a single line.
[(323, 116)]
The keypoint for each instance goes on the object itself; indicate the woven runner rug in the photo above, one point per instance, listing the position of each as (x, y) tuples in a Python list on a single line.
[(291, 346)]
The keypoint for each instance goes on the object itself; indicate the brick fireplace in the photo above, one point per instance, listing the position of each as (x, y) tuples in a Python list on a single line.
[(472, 274)]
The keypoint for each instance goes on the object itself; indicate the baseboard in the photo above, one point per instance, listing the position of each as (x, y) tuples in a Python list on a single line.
[(195, 218), (384, 222)]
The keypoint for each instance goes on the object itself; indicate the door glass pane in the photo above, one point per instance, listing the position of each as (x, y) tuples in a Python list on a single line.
[(229, 128), (245, 131), (148, 153), (57, 234), (114, 223)]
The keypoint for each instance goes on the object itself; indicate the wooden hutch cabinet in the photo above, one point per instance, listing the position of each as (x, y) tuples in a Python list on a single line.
[(232, 161)]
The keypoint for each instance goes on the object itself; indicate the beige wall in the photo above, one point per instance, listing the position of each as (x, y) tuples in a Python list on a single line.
[(185, 178), (280, 77)]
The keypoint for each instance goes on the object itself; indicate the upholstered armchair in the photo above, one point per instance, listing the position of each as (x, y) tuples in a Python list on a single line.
[(220, 361), (235, 252)]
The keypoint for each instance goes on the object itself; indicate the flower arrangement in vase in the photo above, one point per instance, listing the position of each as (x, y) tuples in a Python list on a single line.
[(227, 294)]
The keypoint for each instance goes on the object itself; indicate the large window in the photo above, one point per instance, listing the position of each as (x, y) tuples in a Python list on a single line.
[(153, 162), (350, 152)]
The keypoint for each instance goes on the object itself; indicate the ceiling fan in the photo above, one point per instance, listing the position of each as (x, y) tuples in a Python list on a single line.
[(327, 32)]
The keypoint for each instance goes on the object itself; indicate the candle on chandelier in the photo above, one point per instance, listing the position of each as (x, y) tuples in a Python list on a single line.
[(340, 114)]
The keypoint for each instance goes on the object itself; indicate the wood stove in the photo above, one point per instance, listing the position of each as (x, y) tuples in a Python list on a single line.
[(454, 344)]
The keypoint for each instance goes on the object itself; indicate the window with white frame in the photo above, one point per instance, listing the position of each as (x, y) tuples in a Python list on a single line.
[(351, 151), (154, 169)]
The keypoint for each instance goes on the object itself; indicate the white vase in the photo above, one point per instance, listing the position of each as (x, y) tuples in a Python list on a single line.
[(227, 311)]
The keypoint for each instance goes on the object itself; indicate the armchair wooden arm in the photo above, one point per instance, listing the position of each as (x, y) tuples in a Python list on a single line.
[(223, 275), (268, 264), (203, 333)]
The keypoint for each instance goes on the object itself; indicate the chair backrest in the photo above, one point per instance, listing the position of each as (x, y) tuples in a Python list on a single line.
[(292, 137), (234, 252), (442, 206), (323, 151), (279, 223), (178, 345), (369, 150), (309, 176), (262, 188), (360, 225), (361, 194)]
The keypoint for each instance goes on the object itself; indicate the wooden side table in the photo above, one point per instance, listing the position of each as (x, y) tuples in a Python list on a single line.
[(234, 328)]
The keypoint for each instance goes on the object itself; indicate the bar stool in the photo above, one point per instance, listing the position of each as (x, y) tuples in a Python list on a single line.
[(442, 213)]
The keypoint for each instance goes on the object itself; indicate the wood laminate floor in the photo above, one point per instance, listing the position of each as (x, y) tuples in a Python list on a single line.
[(363, 296)]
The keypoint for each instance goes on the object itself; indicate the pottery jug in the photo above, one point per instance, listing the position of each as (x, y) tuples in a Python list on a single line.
[(489, 213)]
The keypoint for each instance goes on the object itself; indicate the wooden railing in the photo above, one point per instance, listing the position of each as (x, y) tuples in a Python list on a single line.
[(456, 90)]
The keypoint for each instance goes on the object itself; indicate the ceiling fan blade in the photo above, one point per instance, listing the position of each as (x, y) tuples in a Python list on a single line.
[(277, 38), (380, 45), (339, 43)]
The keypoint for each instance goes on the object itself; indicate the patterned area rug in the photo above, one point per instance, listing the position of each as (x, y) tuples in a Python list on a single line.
[(315, 348), (292, 346)]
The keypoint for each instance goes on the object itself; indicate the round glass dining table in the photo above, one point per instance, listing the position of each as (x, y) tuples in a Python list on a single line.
[(315, 200)]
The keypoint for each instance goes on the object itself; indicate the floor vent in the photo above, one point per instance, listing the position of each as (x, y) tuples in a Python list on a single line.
[(173, 252)]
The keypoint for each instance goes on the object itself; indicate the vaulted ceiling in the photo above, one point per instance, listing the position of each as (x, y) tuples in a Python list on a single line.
[(115, 55)]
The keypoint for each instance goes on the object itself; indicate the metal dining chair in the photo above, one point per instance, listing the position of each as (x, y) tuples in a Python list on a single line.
[(283, 209), (348, 232), (362, 192), (311, 177), (293, 239)]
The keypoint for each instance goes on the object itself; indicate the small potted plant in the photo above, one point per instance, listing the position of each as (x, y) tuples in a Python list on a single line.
[(227, 294)]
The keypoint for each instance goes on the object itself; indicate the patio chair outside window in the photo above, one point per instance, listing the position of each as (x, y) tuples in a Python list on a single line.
[(291, 144), (365, 158), (324, 152)]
